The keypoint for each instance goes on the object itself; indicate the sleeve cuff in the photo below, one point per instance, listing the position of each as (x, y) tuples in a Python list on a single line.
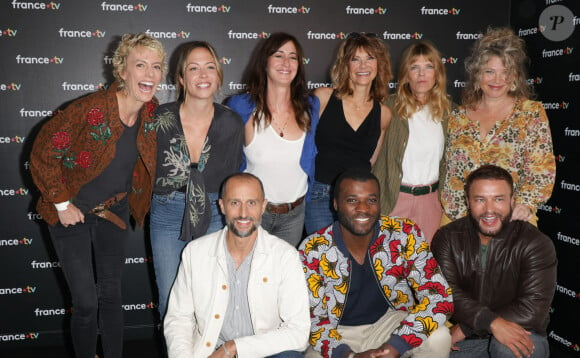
[(62, 206), (399, 344)]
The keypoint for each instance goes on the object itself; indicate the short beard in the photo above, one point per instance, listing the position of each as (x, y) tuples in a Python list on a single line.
[(235, 231), (505, 220)]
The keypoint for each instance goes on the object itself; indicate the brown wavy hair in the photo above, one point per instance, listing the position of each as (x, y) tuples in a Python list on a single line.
[(128, 42), (347, 50), (258, 81), (406, 104), (503, 43)]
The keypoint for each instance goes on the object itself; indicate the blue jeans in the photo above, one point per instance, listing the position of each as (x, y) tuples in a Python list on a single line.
[(492, 348), (97, 304), (319, 210), (288, 227), (166, 219)]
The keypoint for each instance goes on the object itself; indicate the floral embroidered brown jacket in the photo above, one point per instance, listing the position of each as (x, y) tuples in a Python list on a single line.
[(77, 144)]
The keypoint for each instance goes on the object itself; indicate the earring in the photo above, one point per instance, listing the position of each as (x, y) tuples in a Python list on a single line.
[(513, 87)]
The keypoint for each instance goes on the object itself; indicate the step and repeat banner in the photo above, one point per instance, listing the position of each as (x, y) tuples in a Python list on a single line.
[(53, 52), (551, 31)]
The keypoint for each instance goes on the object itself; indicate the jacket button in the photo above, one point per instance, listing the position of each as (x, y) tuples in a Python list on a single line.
[(207, 344), (217, 316), (265, 279), (224, 287)]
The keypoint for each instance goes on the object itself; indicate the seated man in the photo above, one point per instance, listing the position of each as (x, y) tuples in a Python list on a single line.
[(502, 272), (239, 291), (377, 278)]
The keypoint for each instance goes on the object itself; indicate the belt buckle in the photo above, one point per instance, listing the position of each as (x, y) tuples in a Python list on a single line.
[(98, 209)]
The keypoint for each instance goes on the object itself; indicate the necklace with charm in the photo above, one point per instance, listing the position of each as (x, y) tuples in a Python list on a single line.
[(283, 128)]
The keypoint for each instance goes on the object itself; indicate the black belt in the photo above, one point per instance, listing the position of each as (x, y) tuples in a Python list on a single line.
[(285, 207), (419, 190)]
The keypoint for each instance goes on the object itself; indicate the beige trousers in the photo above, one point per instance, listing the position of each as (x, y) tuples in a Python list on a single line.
[(372, 336)]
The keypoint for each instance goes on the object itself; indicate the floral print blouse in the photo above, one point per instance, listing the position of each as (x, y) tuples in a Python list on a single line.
[(521, 144), (221, 156)]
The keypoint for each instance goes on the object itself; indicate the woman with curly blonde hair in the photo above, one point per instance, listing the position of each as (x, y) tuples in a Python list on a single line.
[(352, 119), (408, 163), (93, 165), (499, 124)]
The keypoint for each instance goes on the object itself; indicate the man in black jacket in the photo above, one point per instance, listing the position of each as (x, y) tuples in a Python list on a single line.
[(502, 272)]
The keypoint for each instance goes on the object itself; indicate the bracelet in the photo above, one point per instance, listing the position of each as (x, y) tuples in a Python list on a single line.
[(351, 355), (226, 350)]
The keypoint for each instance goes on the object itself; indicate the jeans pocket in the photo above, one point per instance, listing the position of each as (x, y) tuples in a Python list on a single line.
[(161, 199)]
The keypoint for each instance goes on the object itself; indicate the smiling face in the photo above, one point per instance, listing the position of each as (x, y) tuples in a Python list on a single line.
[(490, 203), (495, 79), (357, 206), (200, 75), (362, 68), (421, 77), (142, 73), (282, 65), (243, 204)]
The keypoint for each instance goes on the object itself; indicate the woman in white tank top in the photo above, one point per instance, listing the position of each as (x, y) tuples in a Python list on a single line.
[(280, 119)]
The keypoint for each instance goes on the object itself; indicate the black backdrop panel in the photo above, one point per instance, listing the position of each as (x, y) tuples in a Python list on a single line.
[(53, 52)]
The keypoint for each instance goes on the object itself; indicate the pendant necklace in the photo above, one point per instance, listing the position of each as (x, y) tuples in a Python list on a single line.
[(283, 128)]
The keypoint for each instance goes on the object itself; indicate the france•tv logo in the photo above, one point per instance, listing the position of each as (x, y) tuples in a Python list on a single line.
[(10, 86), (23, 5), (8, 32), (17, 290), (19, 336)]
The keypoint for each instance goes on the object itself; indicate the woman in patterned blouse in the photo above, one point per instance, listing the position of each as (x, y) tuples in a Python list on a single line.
[(499, 124), (199, 145)]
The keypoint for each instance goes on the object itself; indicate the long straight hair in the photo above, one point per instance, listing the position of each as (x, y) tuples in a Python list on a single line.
[(438, 99), (258, 81)]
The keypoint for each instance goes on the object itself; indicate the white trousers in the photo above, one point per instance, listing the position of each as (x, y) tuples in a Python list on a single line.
[(372, 336)]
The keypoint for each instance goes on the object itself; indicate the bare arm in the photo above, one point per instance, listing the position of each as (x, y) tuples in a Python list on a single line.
[(323, 94), (386, 117)]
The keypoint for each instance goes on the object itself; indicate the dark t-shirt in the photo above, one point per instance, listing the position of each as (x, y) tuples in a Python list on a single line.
[(116, 178)]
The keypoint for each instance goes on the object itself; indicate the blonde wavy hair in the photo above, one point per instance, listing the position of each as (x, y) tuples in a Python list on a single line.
[(129, 42), (438, 99), (347, 50), (510, 49)]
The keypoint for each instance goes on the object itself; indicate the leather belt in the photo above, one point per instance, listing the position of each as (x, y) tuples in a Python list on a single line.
[(102, 210), (284, 207), (419, 190)]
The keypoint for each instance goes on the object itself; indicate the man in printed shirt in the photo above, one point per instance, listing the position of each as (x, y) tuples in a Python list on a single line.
[(239, 291), (503, 273), (375, 289)]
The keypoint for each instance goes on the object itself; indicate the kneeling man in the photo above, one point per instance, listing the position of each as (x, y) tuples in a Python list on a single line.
[(375, 288), (502, 272), (239, 291)]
